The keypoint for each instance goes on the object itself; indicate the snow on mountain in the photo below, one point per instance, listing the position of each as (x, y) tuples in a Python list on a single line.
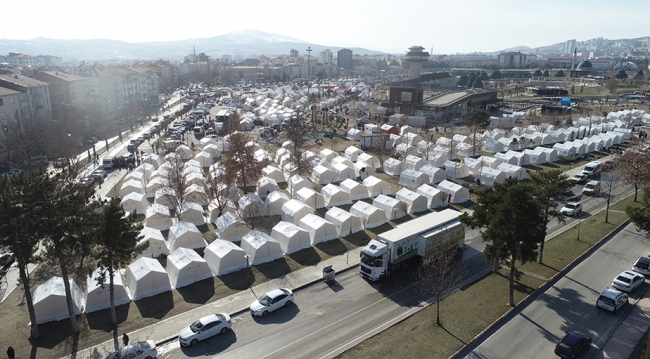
[(250, 36)]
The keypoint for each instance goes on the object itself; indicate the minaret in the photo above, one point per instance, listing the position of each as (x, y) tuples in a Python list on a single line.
[(194, 52), (573, 60)]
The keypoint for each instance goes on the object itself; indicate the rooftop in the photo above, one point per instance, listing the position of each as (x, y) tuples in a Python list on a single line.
[(22, 81), (445, 99), (5, 91), (65, 76)]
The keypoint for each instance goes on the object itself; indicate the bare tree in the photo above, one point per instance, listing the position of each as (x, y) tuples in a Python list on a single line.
[(634, 168), (177, 184), (439, 273), (220, 188), (608, 181), (380, 151), (241, 160), (23, 138), (252, 210)]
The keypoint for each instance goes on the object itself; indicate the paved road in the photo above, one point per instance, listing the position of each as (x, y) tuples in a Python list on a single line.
[(570, 305)]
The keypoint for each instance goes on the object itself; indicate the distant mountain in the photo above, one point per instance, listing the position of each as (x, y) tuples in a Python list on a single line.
[(516, 49), (244, 43)]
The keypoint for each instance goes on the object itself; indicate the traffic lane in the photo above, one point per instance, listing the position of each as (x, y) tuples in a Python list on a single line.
[(569, 305), (323, 317)]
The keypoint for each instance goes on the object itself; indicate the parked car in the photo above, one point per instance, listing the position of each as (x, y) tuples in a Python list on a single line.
[(572, 209), (628, 281), (611, 299), (137, 350), (99, 173), (608, 165), (579, 178), (6, 260), (86, 182), (271, 301), (592, 188), (205, 328), (572, 345), (642, 265)]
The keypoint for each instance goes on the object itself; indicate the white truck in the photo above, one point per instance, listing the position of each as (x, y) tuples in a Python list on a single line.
[(411, 243), (593, 169)]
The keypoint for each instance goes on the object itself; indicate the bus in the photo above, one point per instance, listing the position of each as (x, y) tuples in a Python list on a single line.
[(222, 116)]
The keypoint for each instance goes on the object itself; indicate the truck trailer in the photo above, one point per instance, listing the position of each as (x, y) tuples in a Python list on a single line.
[(411, 243)]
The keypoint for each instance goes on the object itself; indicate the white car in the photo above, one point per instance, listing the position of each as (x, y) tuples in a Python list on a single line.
[(611, 299), (272, 301), (572, 209), (642, 265), (205, 328), (627, 281), (137, 350)]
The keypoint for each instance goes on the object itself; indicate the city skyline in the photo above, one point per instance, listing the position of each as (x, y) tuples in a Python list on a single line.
[(459, 27)]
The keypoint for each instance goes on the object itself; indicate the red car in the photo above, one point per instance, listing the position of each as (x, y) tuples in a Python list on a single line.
[(608, 165)]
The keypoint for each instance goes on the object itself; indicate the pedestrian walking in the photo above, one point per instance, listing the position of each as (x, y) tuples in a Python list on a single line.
[(10, 352), (125, 339)]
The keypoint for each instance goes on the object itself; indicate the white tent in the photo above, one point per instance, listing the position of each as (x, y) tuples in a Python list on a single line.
[(363, 170), (152, 159), (224, 257), (194, 178), (154, 185), (393, 208), (50, 302), (535, 157), (138, 175), (206, 141), (414, 162), (214, 206), (135, 202), (456, 169), (406, 150), (490, 176), (131, 186), (320, 230), (146, 277), (392, 166), (297, 182), (230, 227), (310, 197), (166, 196), (291, 237), (266, 185), (185, 267), (493, 146), (354, 134), (377, 186), (192, 212), (323, 175), (293, 210), (415, 202), (335, 196), (327, 155), (551, 154), (435, 198), (435, 174), (213, 150), (196, 194), (369, 159), (345, 222), (204, 158), (186, 235), (251, 206), (157, 243), (455, 193), (274, 173), (413, 179), (184, 152), (512, 171), (564, 150), (435, 159), (158, 217), (489, 161), (98, 298), (370, 215), (473, 165), (354, 189), (352, 152), (342, 171), (274, 202), (261, 247)]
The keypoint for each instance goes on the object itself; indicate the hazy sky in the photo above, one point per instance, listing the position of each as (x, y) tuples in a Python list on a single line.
[(382, 25)]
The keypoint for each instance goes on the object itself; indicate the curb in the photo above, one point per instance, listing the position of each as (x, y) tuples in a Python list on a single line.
[(541, 289)]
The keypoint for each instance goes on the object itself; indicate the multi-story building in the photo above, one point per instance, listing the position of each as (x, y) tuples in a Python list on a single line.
[(570, 47), (344, 59), (326, 57), (9, 104), (47, 60), (34, 96), (64, 88), (293, 56), (511, 60), (20, 60)]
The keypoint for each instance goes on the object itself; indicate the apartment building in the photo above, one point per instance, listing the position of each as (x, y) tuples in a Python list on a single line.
[(34, 98)]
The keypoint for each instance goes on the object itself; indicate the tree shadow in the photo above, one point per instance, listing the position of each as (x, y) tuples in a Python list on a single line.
[(52, 334), (101, 319), (156, 306), (452, 334), (199, 292)]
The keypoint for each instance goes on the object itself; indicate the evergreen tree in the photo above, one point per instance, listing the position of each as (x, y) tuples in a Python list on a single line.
[(546, 74), (640, 216), (478, 84), (495, 75), (470, 80), (537, 73), (462, 80), (560, 73), (484, 76)]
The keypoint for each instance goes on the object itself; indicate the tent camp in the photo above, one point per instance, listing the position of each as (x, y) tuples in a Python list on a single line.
[(224, 257), (415, 202), (370, 215), (345, 222), (184, 152), (50, 302), (489, 161), (293, 210), (146, 277), (186, 235), (196, 194), (98, 298), (512, 171), (261, 247), (354, 134), (154, 185), (414, 162), (204, 159), (393, 167), (131, 186), (435, 198), (363, 170), (135, 202), (327, 155), (490, 176), (166, 196), (456, 169), (266, 185), (455, 193), (352, 152), (355, 189), (343, 172), (406, 150), (323, 175), (369, 159), (158, 217), (551, 154), (213, 150), (413, 179), (310, 197), (291, 237), (434, 174), (157, 243), (393, 208), (535, 157), (185, 267), (335, 196), (274, 202), (320, 230), (152, 159), (376, 186), (251, 206), (230, 227), (274, 173), (473, 165), (192, 212), (217, 208), (297, 182), (195, 178)]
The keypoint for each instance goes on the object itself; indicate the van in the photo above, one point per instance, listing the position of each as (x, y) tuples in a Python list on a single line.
[(593, 169), (108, 162), (592, 188), (198, 132)]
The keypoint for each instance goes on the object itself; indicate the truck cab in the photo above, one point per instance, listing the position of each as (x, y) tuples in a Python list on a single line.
[(374, 260), (593, 169)]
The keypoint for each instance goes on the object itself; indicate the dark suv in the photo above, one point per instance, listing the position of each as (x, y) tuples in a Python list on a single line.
[(572, 345)]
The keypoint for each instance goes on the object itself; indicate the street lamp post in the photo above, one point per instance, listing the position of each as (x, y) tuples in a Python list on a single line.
[(248, 271)]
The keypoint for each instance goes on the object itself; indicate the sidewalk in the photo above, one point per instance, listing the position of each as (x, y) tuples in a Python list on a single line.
[(168, 329), (629, 332)]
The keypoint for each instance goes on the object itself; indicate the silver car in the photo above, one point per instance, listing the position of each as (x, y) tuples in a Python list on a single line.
[(272, 301), (628, 281), (205, 328), (137, 350)]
